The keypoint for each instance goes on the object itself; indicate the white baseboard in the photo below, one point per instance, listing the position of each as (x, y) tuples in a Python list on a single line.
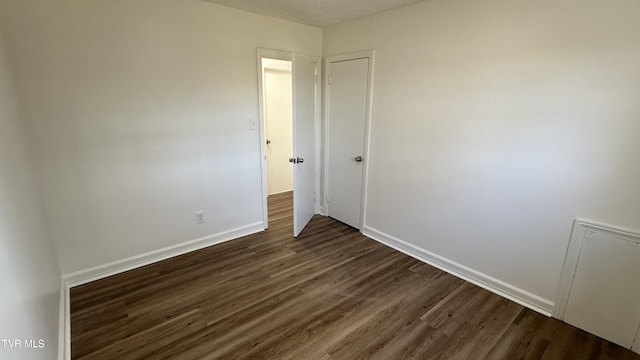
[(513, 293), (119, 266), (116, 267)]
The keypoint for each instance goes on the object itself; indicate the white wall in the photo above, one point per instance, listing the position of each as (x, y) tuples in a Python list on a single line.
[(140, 113), (278, 114), (29, 274), (495, 123)]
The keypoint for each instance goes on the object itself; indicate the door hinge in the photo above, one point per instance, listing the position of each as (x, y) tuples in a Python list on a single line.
[(326, 198), (330, 79)]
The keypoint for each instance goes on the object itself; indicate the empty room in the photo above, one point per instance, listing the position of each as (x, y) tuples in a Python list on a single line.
[(285, 179)]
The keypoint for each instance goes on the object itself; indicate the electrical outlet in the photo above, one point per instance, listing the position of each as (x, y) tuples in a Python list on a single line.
[(199, 216)]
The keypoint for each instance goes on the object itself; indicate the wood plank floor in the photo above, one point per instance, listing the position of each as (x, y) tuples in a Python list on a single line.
[(330, 294)]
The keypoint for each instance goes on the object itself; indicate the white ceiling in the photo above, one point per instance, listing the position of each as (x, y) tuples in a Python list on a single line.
[(319, 13)]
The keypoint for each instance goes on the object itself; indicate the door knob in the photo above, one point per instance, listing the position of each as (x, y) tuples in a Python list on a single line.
[(292, 160), (358, 159), (299, 160), (268, 141)]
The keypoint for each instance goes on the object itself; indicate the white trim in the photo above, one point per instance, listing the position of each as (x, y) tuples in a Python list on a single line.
[(578, 232), (67, 321), (367, 138), (506, 290), (119, 266), (351, 56), (64, 321), (365, 54), (318, 131)]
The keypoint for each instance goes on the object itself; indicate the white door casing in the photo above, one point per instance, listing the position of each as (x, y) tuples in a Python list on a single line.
[(347, 95)]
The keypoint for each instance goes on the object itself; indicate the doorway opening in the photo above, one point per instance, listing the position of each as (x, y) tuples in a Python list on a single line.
[(277, 100), (304, 156)]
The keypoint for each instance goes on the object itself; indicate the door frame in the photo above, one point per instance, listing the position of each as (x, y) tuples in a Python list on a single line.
[(368, 54), (288, 56)]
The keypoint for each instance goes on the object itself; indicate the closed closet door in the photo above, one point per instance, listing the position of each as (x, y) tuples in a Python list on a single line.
[(347, 110)]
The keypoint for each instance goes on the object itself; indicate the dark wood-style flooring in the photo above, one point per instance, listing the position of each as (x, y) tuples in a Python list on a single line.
[(330, 294)]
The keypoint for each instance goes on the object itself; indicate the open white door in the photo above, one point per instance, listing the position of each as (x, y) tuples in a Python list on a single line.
[(304, 167)]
